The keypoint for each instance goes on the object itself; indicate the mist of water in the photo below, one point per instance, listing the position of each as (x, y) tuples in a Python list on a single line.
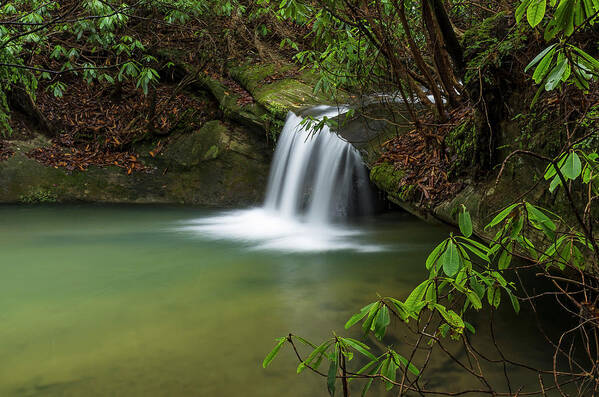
[(317, 180)]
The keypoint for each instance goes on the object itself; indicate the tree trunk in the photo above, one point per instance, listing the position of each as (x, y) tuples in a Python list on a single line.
[(440, 55), (452, 44), (20, 100), (400, 7)]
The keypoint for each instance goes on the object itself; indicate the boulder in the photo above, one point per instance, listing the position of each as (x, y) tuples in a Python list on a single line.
[(217, 166)]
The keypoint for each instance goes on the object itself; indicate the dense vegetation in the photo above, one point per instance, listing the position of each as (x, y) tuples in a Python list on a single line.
[(383, 47), (449, 63)]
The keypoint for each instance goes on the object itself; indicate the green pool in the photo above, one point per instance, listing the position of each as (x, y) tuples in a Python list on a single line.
[(152, 301)]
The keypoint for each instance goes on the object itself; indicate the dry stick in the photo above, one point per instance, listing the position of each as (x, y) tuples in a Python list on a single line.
[(479, 376), (429, 352), (460, 393), (542, 385), (555, 355), (566, 280), (576, 315), (538, 321), (570, 355), (587, 340), (521, 365), (420, 337), (473, 353), (411, 388), (344, 373), (470, 353), (492, 328)]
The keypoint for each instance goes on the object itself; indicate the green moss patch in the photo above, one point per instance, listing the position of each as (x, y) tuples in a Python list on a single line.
[(487, 45), (189, 150), (278, 96), (387, 178), (461, 141)]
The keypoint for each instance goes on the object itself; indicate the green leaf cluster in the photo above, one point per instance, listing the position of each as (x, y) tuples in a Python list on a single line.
[(561, 61)]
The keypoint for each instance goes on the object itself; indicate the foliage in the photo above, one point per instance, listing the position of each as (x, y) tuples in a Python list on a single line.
[(28, 27), (39, 196), (413, 50), (465, 274), (562, 61), (488, 49), (374, 48), (51, 43)]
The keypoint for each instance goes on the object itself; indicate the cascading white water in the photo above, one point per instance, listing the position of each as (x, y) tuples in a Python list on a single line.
[(316, 181), (313, 175)]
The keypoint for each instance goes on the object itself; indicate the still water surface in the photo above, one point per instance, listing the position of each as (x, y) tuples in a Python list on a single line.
[(140, 301)]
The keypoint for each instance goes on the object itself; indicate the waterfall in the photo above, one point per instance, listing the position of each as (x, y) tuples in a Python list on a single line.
[(317, 180), (316, 177)]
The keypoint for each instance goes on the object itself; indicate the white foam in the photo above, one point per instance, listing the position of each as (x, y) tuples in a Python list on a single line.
[(262, 229)]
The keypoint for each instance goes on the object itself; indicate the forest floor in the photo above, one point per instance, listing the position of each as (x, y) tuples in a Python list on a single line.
[(100, 123), (424, 159)]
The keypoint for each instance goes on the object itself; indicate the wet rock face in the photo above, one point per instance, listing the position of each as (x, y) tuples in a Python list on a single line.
[(214, 166), (207, 143), (367, 126)]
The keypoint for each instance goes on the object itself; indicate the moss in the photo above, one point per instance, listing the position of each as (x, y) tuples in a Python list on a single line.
[(38, 195), (387, 178), (487, 45), (212, 153), (279, 96), (274, 126), (189, 150), (251, 76), (282, 96), (461, 141)]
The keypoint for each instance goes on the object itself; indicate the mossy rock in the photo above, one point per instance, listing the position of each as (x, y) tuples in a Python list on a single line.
[(388, 178), (251, 115), (229, 170), (273, 100), (280, 95), (461, 142), (251, 76), (205, 144)]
